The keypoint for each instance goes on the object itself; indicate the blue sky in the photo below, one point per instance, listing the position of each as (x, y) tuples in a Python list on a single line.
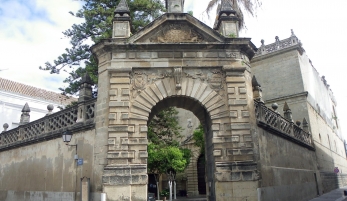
[(31, 34)]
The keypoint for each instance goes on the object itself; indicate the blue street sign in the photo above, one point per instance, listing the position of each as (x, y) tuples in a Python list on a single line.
[(80, 161)]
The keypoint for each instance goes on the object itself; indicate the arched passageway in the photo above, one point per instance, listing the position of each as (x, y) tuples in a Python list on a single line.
[(206, 161)]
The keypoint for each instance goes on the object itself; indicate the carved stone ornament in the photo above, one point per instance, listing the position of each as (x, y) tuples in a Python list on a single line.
[(197, 75), (178, 77), (216, 80), (139, 80), (214, 77), (232, 54), (177, 33)]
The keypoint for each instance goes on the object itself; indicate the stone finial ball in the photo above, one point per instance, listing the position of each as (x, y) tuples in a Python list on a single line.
[(274, 106), (298, 123), (50, 107), (5, 126)]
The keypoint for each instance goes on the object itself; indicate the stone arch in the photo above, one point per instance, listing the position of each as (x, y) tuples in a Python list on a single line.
[(193, 95), (161, 92)]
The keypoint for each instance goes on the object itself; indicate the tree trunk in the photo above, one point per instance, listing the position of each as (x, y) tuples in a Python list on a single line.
[(158, 190), (175, 190), (170, 185)]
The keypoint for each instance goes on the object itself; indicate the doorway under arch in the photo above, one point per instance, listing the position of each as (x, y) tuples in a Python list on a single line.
[(206, 164)]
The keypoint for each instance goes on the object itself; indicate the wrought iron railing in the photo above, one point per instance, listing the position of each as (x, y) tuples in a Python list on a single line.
[(49, 126), (273, 121)]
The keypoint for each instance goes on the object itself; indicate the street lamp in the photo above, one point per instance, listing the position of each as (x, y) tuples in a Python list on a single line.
[(67, 135)]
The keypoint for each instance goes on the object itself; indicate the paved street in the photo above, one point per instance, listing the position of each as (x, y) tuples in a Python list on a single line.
[(335, 195)]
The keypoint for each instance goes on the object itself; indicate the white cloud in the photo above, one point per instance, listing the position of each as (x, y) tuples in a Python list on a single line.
[(27, 41)]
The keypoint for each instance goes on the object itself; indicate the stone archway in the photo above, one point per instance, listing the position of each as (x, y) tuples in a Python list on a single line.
[(208, 75), (194, 106), (193, 94)]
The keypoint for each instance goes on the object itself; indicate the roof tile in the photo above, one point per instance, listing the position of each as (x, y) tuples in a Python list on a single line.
[(33, 92)]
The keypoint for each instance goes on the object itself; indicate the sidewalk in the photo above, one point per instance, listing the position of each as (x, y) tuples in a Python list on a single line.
[(335, 195)]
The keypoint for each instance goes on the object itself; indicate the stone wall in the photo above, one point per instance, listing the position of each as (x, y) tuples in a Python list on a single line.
[(287, 169), (308, 96), (47, 170)]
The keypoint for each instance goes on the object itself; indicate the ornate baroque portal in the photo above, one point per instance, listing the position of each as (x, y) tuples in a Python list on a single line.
[(178, 61)]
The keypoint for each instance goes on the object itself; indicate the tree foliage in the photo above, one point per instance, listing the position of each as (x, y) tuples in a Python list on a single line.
[(250, 6), (164, 158), (199, 140), (97, 25), (164, 151), (164, 128)]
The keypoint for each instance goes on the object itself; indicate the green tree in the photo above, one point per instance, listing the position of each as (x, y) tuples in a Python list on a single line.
[(97, 25), (167, 160), (250, 6), (164, 128), (199, 140), (165, 156)]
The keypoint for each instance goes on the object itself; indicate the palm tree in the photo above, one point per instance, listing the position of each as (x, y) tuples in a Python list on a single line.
[(250, 6)]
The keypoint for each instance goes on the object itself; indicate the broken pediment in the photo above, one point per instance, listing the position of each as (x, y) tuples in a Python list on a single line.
[(185, 30)]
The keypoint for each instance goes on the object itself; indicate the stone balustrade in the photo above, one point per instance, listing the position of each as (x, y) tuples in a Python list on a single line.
[(50, 126), (272, 121), (279, 45)]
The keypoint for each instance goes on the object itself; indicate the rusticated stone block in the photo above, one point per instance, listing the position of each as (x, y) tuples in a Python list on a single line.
[(119, 104), (125, 92), (189, 54), (120, 180), (121, 155), (247, 176), (233, 114), (114, 92), (245, 114), (124, 116), (217, 153), (120, 80), (240, 126), (231, 90), (235, 138), (119, 55), (235, 79), (143, 154), (247, 138), (143, 129), (143, 55), (165, 54), (235, 176), (242, 90), (118, 128), (111, 141), (236, 102), (215, 127)]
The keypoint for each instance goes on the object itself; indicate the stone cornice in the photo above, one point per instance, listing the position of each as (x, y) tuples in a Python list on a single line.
[(305, 94)]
